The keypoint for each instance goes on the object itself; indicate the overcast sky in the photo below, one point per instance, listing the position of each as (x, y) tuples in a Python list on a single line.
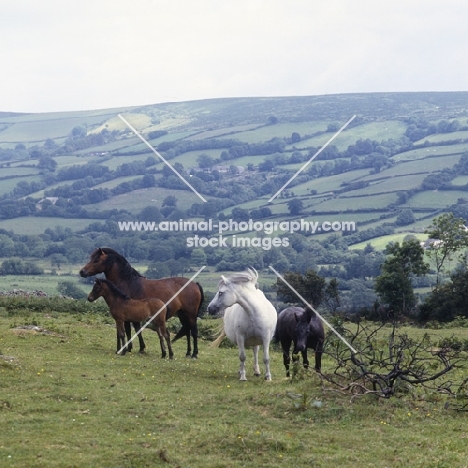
[(91, 54)]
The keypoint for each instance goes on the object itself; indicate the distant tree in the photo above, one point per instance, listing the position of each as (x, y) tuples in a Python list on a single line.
[(198, 257), (405, 217), (70, 289), (170, 200), (295, 206), (205, 161), (394, 284), (58, 260), (448, 301), (47, 163), (157, 270), (18, 267), (310, 286), (295, 137), (332, 295), (150, 213), (7, 246), (450, 234), (148, 180)]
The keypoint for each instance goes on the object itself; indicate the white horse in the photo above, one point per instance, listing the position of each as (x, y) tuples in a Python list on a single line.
[(249, 317)]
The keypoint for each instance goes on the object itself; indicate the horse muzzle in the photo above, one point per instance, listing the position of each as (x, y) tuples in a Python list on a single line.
[(213, 310), (84, 273)]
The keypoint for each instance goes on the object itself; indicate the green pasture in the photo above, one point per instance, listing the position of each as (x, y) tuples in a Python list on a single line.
[(280, 130), (225, 132), (17, 171), (437, 199), (379, 243), (330, 183), (136, 200), (427, 165), (346, 203), (67, 399), (460, 180), (422, 153), (47, 283), (38, 224), (441, 137), (7, 185), (113, 146), (36, 128), (189, 159), (391, 185), (374, 131)]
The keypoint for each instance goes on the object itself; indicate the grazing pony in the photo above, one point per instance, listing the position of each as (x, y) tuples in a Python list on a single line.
[(249, 317), (304, 328), (186, 305), (122, 309)]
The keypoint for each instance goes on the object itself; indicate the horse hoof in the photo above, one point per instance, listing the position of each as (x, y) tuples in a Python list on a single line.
[(257, 375)]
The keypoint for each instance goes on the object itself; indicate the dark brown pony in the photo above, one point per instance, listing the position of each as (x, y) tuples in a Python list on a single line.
[(186, 305), (122, 309)]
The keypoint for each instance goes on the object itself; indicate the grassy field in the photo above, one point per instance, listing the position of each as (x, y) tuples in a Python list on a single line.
[(38, 224), (67, 400)]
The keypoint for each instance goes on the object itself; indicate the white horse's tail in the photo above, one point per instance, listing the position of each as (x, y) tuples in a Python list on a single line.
[(221, 335)]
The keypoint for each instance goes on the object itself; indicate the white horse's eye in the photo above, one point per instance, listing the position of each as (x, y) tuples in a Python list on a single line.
[(220, 293)]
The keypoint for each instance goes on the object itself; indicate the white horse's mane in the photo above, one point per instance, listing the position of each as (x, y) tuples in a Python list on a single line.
[(250, 275)]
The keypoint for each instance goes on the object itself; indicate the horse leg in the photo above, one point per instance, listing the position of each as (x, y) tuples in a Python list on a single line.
[(242, 358), (318, 356), (305, 360), (161, 342), (128, 332), (167, 335), (121, 343), (286, 345), (257, 372), (137, 327), (266, 358), (194, 333)]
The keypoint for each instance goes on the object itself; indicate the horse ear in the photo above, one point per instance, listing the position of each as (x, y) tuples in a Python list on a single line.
[(225, 280), (101, 252), (309, 313)]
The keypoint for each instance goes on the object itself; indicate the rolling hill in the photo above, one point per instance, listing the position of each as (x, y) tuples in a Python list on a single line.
[(388, 169)]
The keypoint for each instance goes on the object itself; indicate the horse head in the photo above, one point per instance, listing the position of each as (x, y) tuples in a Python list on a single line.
[(229, 290), (97, 290), (96, 263)]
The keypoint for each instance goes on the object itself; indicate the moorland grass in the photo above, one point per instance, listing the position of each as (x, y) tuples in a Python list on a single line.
[(66, 400)]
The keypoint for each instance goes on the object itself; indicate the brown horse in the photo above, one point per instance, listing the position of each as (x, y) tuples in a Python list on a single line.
[(186, 305), (122, 309)]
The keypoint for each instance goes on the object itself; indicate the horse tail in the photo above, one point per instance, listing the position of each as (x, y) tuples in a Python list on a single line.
[(275, 334), (202, 300), (221, 335)]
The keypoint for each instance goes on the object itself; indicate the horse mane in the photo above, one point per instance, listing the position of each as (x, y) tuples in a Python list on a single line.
[(250, 275), (126, 270), (114, 289)]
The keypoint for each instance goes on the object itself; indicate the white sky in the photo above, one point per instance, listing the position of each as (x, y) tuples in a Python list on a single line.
[(89, 54)]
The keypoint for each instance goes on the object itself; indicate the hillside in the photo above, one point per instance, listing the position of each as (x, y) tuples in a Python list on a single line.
[(383, 175), (70, 178)]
